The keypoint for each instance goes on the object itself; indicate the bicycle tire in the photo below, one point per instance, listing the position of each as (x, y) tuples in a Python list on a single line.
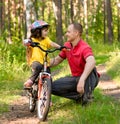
[(32, 104), (43, 103), (32, 98)]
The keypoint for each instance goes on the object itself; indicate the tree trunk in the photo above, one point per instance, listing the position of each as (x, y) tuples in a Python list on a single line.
[(118, 16), (9, 23), (1, 16), (109, 22), (43, 9), (105, 21), (57, 6), (86, 19), (72, 10), (28, 6), (66, 15)]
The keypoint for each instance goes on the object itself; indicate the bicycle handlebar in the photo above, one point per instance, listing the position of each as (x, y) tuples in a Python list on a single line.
[(35, 44), (28, 42)]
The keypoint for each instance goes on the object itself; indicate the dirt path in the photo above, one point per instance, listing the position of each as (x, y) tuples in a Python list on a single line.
[(108, 86), (19, 113)]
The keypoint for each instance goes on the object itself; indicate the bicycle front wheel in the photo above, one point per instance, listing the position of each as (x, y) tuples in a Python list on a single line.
[(44, 101)]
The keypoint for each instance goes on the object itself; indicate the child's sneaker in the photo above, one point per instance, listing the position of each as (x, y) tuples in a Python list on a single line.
[(28, 84)]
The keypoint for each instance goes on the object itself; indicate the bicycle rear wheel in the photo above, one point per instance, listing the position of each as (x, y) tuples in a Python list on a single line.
[(44, 101)]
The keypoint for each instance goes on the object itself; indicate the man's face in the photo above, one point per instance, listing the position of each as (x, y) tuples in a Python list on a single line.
[(71, 33)]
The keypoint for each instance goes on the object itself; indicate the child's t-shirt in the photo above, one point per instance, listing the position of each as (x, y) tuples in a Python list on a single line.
[(36, 54)]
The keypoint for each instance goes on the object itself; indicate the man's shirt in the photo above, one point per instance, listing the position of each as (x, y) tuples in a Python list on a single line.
[(76, 56)]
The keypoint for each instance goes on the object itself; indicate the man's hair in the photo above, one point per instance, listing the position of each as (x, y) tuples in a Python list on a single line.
[(78, 27)]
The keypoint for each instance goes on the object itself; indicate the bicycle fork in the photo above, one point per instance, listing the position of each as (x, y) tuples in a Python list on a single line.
[(40, 81)]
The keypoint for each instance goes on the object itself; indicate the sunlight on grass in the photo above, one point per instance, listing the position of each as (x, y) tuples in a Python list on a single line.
[(113, 66), (9, 91), (60, 111), (6, 99), (64, 71), (102, 59), (104, 49), (100, 111)]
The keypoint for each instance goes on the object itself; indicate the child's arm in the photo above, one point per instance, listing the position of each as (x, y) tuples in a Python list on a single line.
[(55, 45)]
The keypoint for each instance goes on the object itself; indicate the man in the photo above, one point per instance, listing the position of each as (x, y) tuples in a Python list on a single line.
[(82, 64)]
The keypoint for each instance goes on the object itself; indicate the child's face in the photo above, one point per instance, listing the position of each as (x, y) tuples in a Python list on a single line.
[(44, 32)]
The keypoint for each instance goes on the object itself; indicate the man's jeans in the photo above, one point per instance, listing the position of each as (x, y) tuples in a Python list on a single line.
[(67, 86)]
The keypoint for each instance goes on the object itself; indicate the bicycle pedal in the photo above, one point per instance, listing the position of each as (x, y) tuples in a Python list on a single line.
[(29, 94)]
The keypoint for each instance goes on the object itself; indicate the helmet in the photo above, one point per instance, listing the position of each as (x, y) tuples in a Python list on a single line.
[(39, 24)]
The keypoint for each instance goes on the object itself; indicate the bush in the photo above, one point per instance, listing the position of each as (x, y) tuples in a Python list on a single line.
[(12, 60)]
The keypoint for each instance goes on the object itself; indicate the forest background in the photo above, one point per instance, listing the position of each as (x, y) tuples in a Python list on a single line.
[(101, 24), (100, 20)]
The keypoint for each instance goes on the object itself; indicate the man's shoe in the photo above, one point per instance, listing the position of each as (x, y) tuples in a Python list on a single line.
[(84, 99)]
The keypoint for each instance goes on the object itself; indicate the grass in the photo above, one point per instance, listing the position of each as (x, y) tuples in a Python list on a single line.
[(11, 86), (99, 112), (9, 91), (104, 109), (113, 67)]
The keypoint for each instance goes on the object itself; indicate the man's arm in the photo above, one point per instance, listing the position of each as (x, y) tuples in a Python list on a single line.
[(55, 61), (90, 64)]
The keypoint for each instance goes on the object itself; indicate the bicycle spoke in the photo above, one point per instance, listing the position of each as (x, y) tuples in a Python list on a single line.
[(44, 101)]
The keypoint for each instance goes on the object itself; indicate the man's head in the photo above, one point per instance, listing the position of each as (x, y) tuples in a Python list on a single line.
[(74, 31), (78, 27)]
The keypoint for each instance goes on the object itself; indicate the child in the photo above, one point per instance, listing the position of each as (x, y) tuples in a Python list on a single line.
[(35, 56)]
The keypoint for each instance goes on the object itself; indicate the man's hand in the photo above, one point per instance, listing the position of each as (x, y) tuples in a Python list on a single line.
[(80, 86), (90, 64)]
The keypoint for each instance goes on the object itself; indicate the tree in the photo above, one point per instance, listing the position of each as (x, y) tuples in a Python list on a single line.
[(86, 18), (109, 21), (27, 4), (72, 10), (29, 14), (118, 15), (15, 18), (57, 6), (1, 15), (104, 21), (9, 40)]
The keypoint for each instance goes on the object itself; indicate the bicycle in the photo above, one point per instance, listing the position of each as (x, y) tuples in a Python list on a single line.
[(40, 92)]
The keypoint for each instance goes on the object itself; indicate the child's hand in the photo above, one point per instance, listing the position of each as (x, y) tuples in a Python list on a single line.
[(34, 44), (27, 42)]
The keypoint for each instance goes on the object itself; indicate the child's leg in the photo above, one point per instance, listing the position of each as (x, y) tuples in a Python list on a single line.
[(36, 69)]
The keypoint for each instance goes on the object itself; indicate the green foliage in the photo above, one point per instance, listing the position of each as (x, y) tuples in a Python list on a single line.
[(110, 55), (12, 61), (96, 28), (12, 68), (113, 67), (102, 52)]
